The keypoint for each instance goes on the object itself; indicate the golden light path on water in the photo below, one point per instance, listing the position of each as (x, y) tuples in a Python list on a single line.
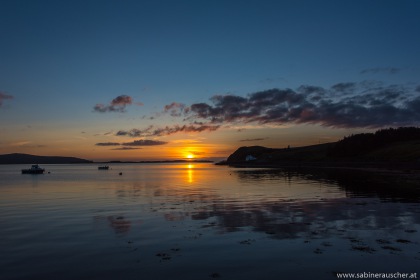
[(190, 168)]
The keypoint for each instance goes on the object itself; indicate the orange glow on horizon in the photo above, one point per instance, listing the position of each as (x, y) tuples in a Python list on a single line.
[(189, 152), (61, 144)]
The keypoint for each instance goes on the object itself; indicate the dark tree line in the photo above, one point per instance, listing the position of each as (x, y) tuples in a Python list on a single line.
[(360, 144)]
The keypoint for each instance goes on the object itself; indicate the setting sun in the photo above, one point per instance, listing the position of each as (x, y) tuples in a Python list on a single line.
[(191, 152)]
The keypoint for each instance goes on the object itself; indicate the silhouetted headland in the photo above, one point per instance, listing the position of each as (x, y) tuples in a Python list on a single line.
[(388, 148), (29, 159)]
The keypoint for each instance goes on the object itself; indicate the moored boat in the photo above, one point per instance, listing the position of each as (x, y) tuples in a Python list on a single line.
[(35, 169), (103, 167)]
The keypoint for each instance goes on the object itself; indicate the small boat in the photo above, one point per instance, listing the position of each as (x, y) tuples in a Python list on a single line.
[(35, 169), (103, 167)]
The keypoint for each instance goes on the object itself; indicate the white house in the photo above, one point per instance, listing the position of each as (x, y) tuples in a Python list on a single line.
[(250, 157)]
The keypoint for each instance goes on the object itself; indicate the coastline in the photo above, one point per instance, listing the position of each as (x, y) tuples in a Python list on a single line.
[(409, 172)]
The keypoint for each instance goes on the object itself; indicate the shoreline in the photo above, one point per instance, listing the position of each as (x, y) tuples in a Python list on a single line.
[(411, 169)]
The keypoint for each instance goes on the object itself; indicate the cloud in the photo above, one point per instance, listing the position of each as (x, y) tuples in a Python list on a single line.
[(144, 143), (4, 96), (108, 144), (175, 109), (311, 90), (118, 104), (131, 145), (125, 149), (167, 130), (366, 104), (344, 88), (386, 70), (121, 100), (272, 80), (20, 143), (132, 133), (252, 140), (342, 105)]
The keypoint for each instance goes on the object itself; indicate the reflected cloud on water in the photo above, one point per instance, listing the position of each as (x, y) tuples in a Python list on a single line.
[(370, 203), (288, 204), (355, 183), (294, 219), (119, 224)]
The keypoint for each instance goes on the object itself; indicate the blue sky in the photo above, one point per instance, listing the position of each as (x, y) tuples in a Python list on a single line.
[(61, 58)]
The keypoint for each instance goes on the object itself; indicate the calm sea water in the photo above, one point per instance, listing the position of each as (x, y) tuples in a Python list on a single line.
[(200, 221)]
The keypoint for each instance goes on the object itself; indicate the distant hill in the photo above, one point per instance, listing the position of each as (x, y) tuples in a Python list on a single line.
[(32, 159), (256, 155), (361, 145), (387, 146)]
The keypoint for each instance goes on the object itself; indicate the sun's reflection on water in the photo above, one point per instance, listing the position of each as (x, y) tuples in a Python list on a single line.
[(190, 173)]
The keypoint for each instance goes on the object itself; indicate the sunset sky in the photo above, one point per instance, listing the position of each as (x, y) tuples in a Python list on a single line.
[(144, 80)]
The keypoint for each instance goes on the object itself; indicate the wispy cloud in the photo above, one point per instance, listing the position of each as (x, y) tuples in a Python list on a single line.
[(187, 141), (144, 143), (131, 145), (108, 144), (252, 140), (126, 148), (272, 80), (20, 143), (4, 96), (385, 70), (118, 104), (26, 144), (344, 88), (175, 109), (167, 130)]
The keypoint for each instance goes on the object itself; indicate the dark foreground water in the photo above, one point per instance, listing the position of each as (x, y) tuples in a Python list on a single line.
[(199, 221)]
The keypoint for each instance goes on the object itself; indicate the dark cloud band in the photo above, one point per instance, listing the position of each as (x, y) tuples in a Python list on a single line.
[(132, 145), (167, 130), (342, 105), (368, 104)]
